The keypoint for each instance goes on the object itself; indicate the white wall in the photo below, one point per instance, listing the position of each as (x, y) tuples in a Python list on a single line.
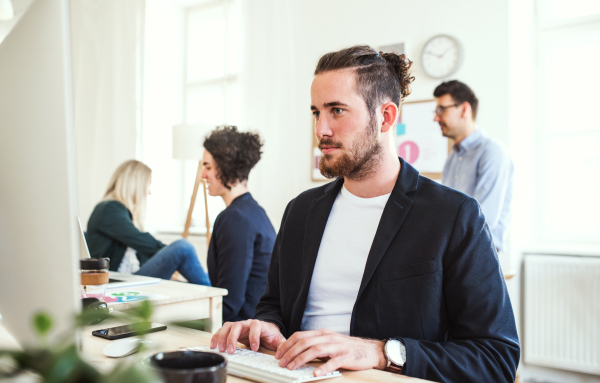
[(522, 141), (521, 132), (19, 9), (162, 95), (284, 39)]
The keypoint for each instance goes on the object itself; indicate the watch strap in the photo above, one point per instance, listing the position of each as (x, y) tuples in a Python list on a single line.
[(391, 367)]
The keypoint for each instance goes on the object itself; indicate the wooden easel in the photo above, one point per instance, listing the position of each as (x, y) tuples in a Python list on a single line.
[(188, 222)]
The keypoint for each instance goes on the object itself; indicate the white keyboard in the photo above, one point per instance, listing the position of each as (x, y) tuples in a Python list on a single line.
[(254, 365)]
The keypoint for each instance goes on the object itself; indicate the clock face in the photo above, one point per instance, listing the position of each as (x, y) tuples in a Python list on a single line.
[(441, 56)]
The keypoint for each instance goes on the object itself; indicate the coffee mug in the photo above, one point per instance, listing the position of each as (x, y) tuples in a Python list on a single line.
[(188, 366)]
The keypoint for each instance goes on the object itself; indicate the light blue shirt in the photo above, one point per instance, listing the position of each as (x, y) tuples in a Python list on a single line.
[(480, 167)]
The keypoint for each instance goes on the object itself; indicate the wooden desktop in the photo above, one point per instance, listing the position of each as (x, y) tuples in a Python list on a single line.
[(176, 337), (184, 301)]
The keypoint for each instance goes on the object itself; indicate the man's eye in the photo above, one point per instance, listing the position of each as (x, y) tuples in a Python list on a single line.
[(316, 114), (337, 111)]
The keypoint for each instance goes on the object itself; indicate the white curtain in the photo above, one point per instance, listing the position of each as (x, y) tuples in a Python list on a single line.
[(269, 86), (107, 41)]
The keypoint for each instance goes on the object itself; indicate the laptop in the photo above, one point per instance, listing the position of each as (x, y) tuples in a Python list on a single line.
[(116, 280)]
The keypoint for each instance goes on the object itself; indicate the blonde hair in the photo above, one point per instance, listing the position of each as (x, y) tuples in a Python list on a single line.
[(129, 185)]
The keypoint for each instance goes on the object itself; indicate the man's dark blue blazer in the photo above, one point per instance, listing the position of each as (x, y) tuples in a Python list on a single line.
[(432, 279)]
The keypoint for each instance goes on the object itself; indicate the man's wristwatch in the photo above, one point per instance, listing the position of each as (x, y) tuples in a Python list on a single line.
[(395, 353)]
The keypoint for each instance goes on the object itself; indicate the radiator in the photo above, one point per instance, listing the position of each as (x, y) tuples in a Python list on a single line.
[(562, 312)]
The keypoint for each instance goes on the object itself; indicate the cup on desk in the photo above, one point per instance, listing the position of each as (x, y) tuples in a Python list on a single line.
[(188, 366), (94, 277)]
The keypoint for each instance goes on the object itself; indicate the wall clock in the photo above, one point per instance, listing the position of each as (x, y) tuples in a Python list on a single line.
[(441, 56)]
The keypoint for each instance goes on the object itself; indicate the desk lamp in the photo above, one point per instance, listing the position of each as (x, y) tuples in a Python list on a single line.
[(7, 11), (187, 145)]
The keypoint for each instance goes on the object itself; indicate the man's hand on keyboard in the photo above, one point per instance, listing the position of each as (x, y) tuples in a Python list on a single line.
[(342, 351), (252, 332)]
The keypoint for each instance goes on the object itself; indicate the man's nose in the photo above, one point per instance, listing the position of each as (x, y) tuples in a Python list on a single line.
[(436, 118), (322, 128)]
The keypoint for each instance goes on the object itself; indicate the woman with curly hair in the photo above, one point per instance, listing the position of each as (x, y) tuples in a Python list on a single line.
[(116, 230), (240, 248)]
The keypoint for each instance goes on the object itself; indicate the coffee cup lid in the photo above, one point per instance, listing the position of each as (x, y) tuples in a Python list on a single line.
[(94, 263)]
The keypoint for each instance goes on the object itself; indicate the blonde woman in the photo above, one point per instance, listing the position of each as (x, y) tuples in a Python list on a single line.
[(116, 230)]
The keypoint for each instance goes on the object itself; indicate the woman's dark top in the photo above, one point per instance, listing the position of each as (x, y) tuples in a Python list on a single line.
[(110, 231), (239, 255)]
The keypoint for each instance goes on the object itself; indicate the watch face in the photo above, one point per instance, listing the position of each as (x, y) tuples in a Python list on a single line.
[(441, 56), (395, 352)]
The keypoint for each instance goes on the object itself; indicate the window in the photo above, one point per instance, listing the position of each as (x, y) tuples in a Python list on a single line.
[(568, 149), (555, 10), (212, 93), (191, 75)]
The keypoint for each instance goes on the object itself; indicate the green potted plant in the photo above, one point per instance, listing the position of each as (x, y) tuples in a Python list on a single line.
[(61, 362)]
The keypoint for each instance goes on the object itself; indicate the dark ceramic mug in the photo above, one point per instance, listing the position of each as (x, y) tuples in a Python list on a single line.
[(188, 366)]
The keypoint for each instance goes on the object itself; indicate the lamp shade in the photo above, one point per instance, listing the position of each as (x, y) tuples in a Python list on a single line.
[(188, 140), (7, 11)]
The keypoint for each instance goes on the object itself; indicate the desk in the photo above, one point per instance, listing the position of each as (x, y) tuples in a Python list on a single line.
[(184, 301), (177, 337)]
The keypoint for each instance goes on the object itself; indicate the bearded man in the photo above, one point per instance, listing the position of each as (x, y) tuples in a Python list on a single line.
[(381, 268)]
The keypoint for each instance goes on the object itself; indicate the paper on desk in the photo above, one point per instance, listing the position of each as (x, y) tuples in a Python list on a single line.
[(117, 297)]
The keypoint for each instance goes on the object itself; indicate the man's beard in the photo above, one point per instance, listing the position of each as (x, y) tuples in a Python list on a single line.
[(446, 131), (358, 161)]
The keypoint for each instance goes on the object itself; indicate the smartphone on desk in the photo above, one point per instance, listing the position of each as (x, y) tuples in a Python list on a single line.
[(125, 331)]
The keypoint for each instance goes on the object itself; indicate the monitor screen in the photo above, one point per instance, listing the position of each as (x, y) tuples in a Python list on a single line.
[(38, 232)]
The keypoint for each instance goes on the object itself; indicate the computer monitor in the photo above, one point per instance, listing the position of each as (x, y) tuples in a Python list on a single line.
[(84, 251), (38, 233)]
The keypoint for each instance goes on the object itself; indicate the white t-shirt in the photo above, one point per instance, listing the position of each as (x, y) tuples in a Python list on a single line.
[(130, 263), (341, 261)]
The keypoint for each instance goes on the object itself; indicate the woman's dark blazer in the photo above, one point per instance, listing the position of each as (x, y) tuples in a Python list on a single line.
[(239, 254)]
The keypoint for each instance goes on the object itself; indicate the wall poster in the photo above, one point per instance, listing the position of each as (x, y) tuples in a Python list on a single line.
[(419, 139)]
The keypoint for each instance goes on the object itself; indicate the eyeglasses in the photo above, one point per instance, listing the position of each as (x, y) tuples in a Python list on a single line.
[(440, 109)]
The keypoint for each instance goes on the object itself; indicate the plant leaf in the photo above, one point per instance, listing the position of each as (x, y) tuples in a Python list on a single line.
[(42, 323), (69, 367), (197, 324), (87, 317), (144, 310)]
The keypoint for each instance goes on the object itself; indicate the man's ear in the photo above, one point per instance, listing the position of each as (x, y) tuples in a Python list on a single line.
[(390, 116), (465, 110)]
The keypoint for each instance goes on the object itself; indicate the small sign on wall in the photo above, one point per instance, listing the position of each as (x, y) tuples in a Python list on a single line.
[(419, 139), (397, 48)]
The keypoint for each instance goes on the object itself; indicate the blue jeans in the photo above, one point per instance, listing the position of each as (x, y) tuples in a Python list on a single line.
[(180, 256)]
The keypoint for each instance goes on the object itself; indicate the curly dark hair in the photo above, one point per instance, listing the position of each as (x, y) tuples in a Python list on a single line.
[(235, 153), (381, 77), (460, 93)]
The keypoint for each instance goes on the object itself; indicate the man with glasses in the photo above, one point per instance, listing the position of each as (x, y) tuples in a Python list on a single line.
[(478, 165)]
